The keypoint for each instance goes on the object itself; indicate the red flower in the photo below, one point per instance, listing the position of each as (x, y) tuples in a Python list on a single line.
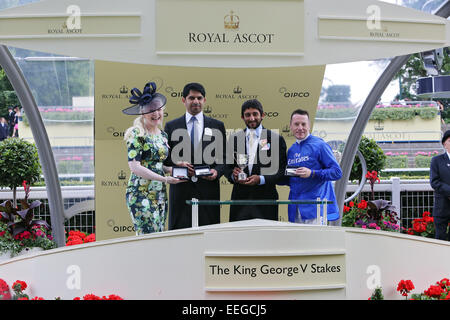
[(76, 233), (434, 291), (23, 298), (19, 285), (4, 290), (91, 296), (362, 204), (372, 177), (38, 298), (74, 241), (419, 226), (444, 283), (346, 209), (404, 287), (351, 204), (2, 233), (90, 238), (112, 297)]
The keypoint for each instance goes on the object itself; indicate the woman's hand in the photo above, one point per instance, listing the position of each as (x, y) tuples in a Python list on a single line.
[(172, 180)]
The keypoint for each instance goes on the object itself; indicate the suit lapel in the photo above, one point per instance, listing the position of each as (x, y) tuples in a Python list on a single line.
[(445, 160)]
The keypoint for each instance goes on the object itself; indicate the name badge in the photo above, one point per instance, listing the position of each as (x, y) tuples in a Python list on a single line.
[(208, 132)]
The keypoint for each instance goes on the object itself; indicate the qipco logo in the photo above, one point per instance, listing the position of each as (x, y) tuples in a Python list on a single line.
[(112, 224), (293, 94), (173, 93), (115, 133), (271, 114)]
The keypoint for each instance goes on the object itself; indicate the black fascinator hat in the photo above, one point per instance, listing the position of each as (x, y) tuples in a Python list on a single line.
[(145, 102)]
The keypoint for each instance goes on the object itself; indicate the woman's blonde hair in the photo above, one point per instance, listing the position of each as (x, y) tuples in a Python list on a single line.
[(139, 124)]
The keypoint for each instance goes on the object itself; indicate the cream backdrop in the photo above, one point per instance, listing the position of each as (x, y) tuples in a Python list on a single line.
[(281, 90)]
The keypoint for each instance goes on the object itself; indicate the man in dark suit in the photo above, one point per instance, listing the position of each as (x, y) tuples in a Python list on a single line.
[(195, 141), (266, 153), (440, 182)]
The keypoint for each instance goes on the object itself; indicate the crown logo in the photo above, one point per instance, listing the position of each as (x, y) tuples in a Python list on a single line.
[(231, 21), (122, 175), (123, 89), (237, 90), (285, 129), (208, 109)]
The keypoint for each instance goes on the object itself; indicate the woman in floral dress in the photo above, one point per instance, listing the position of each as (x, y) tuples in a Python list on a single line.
[(147, 148)]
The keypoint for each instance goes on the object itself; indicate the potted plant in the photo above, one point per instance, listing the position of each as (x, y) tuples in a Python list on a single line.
[(376, 214), (19, 231), (19, 162)]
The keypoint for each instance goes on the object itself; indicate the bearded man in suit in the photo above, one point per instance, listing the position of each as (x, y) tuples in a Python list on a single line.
[(266, 154)]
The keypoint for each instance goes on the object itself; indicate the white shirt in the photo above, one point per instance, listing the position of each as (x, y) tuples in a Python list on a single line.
[(298, 140), (199, 131), (254, 149)]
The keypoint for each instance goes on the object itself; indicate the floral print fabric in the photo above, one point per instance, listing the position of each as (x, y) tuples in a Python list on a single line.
[(146, 199)]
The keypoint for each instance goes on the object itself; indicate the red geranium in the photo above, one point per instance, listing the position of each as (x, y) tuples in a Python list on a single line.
[(78, 237), (405, 287), (112, 297), (422, 226), (90, 238), (444, 283), (4, 290), (91, 297), (434, 291), (362, 204), (19, 285)]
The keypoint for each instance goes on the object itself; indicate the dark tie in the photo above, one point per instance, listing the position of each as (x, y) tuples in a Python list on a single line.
[(193, 138)]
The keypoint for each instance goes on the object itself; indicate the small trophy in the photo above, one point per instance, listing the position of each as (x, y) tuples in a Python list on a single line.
[(242, 162)]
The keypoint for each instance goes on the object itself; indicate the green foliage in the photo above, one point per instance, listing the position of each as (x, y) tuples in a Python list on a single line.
[(397, 161), (407, 76), (338, 93), (406, 175), (19, 161), (374, 156), (64, 116), (55, 83), (406, 113), (422, 161), (377, 294), (334, 113), (7, 95), (69, 166)]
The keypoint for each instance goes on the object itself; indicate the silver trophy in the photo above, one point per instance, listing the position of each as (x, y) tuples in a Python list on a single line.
[(242, 161)]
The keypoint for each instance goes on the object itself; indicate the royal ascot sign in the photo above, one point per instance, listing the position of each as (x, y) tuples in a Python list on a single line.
[(399, 30), (232, 34), (47, 26), (274, 272), (245, 29)]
